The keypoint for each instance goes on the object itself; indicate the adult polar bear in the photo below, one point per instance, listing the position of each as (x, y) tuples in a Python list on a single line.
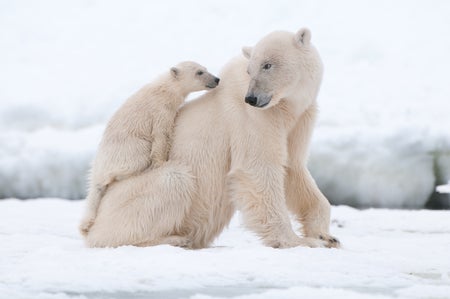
[(228, 153)]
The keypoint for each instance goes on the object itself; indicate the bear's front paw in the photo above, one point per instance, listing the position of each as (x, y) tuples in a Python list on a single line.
[(313, 243), (295, 242), (331, 242)]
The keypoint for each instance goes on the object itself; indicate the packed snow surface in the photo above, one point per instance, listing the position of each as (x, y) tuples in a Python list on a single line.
[(385, 254), (382, 138)]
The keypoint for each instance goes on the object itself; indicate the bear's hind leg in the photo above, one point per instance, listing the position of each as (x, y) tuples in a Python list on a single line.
[(92, 203), (144, 208)]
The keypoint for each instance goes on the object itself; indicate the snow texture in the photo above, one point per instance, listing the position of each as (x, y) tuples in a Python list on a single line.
[(382, 138), (385, 254)]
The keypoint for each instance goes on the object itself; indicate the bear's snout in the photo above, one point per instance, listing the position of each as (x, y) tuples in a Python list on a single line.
[(259, 101), (251, 100), (213, 83)]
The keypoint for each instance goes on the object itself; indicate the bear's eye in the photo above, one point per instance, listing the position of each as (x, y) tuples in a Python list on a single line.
[(199, 73), (267, 66)]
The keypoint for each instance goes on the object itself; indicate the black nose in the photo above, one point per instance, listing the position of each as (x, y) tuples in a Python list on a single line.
[(217, 80), (251, 100)]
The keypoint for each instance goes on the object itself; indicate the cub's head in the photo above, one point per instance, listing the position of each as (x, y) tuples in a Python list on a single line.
[(193, 76), (282, 65)]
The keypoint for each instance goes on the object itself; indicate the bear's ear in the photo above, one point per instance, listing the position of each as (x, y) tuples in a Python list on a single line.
[(303, 37), (174, 72), (247, 52)]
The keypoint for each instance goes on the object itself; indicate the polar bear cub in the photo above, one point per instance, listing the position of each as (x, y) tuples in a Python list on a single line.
[(138, 135)]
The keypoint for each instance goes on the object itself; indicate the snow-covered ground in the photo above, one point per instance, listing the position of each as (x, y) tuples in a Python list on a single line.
[(382, 138), (385, 254)]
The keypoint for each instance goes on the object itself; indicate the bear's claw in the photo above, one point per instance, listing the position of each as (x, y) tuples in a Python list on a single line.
[(331, 242)]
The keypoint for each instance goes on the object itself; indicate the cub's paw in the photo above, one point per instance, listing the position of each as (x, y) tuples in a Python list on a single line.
[(179, 241)]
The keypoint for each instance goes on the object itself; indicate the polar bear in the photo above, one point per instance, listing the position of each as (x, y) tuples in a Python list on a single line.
[(138, 135), (244, 146)]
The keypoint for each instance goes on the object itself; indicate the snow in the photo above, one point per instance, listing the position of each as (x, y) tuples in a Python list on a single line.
[(385, 254), (382, 139), (444, 188)]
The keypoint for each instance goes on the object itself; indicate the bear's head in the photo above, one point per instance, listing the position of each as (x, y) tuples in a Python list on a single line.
[(193, 76), (283, 66)]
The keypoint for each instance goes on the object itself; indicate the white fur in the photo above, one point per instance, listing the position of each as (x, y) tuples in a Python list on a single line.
[(227, 154), (138, 136)]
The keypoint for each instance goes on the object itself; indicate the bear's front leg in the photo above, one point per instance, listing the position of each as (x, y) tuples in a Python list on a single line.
[(259, 196), (309, 205), (303, 197)]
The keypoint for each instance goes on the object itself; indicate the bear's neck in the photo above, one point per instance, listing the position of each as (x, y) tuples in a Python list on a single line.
[(299, 104), (290, 109), (301, 99), (172, 89)]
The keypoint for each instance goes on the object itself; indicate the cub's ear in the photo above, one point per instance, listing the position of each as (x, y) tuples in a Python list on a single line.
[(303, 37), (174, 72), (247, 52)]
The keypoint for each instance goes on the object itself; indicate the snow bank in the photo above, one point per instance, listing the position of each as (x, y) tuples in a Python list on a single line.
[(42, 256), (382, 137), (359, 167), (444, 188), (47, 161), (369, 167)]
